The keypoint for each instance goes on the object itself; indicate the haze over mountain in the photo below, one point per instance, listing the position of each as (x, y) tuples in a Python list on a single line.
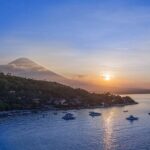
[(24, 67)]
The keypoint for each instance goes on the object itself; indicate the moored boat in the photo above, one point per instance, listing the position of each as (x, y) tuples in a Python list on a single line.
[(94, 114), (132, 118), (68, 116), (55, 113), (125, 111)]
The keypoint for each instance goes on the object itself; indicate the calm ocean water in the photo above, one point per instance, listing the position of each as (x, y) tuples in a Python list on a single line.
[(111, 131)]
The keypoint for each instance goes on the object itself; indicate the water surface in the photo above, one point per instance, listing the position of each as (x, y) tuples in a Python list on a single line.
[(111, 131)]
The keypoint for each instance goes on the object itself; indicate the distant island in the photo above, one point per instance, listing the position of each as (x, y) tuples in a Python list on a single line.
[(17, 93)]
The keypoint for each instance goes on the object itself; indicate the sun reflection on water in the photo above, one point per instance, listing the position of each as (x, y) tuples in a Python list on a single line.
[(108, 140)]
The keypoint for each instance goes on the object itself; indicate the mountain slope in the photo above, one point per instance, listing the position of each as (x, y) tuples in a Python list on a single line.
[(25, 67)]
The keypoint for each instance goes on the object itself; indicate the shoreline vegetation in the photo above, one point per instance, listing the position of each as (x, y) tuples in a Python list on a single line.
[(17, 93)]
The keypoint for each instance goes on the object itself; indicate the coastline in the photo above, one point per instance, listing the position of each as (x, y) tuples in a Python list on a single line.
[(22, 112)]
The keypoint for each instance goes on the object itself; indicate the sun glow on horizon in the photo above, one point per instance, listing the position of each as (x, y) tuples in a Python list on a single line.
[(107, 76)]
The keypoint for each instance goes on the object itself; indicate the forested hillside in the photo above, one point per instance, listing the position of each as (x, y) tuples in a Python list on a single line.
[(21, 93)]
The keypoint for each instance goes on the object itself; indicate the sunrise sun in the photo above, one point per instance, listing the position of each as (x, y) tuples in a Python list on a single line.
[(106, 76)]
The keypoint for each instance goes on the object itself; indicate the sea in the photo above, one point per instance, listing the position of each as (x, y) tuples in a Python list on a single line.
[(110, 131)]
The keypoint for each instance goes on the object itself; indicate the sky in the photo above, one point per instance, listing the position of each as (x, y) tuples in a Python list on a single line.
[(80, 39)]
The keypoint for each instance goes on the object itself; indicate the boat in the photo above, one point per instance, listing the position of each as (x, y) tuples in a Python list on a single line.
[(94, 114), (149, 113), (3, 115), (132, 118), (34, 111), (55, 113), (24, 113), (68, 116), (125, 111)]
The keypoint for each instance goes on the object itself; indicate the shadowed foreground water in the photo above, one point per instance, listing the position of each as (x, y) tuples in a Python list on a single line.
[(111, 131)]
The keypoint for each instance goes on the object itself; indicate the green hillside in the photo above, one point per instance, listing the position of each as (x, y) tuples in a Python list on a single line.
[(21, 93)]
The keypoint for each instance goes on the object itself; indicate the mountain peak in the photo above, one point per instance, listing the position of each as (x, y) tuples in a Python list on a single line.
[(24, 67), (24, 63), (21, 60)]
